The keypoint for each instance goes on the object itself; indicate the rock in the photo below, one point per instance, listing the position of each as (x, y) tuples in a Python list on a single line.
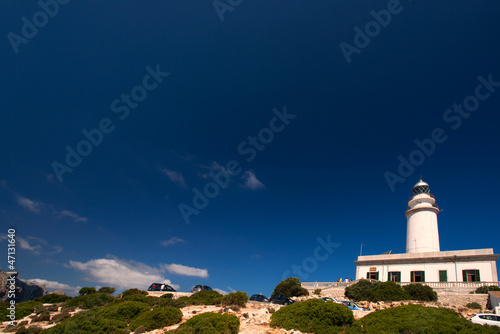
[(24, 291)]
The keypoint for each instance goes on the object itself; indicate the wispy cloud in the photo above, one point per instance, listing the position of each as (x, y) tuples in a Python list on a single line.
[(29, 204), (73, 215), (251, 182), (25, 244), (222, 292), (179, 269), (53, 285), (174, 176), (120, 273), (171, 241), (37, 245)]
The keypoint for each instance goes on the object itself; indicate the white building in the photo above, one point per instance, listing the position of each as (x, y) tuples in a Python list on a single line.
[(423, 260)]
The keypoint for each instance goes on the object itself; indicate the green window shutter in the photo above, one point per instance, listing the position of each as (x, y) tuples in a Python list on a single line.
[(376, 275), (412, 276), (398, 279), (389, 278), (367, 275), (423, 276), (478, 278), (464, 274), (443, 276)]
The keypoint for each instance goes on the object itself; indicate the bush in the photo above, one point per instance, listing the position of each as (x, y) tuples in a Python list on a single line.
[(50, 308), (140, 330), (210, 323), (421, 292), (90, 301), (25, 308), (290, 287), (134, 291), (313, 316), (413, 319), (317, 292), (376, 291), (44, 316), (486, 289), (157, 318), (30, 330), (125, 311), (107, 289), (88, 322), (60, 317), (52, 298), (235, 298), (474, 305), (205, 297), (86, 291)]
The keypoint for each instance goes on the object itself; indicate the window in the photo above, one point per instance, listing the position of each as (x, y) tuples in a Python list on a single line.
[(443, 276), (372, 275), (394, 276), (418, 276), (471, 275)]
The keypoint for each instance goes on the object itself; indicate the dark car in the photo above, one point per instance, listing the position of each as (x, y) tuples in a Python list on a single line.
[(198, 288), (160, 287), (281, 299), (259, 298)]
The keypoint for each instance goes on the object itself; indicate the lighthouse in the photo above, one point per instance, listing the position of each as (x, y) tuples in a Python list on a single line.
[(422, 233)]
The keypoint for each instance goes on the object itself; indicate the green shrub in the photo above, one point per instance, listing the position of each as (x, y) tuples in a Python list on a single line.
[(474, 305), (235, 298), (30, 330), (167, 296), (413, 319), (44, 316), (86, 291), (107, 289), (126, 311), (421, 292), (140, 330), (88, 322), (134, 291), (52, 298), (205, 297), (317, 292), (210, 323), (157, 318), (49, 308), (313, 316), (290, 287), (486, 289), (25, 308), (90, 301), (60, 317), (376, 291)]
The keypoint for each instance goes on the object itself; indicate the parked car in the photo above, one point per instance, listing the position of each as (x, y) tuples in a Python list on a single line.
[(198, 288), (281, 299), (259, 298), (486, 319), (353, 307), (160, 287), (330, 299)]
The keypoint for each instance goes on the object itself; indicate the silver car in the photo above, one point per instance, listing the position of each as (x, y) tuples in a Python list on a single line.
[(486, 319)]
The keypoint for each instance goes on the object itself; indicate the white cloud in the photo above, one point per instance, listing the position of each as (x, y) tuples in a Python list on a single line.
[(171, 241), (26, 203), (53, 285), (251, 181), (174, 176), (179, 269), (121, 274), (73, 215), (25, 244), (222, 292)]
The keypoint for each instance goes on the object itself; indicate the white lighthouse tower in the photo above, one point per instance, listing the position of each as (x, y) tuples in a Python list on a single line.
[(422, 227)]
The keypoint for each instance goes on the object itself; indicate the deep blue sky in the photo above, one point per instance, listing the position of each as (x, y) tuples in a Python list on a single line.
[(115, 219)]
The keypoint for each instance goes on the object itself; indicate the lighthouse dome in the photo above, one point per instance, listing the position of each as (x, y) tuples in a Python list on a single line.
[(421, 187)]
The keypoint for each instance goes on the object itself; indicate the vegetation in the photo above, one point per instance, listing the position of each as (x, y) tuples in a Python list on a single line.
[(313, 316), (134, 291), (44, 316), (210, 323), (389, 291), (60, 317), (88, 322), (238, 298), (474, 305), (290, 287), (486, 289), (413, 319), (29, 330), (421, 292), (157, 318), (205, 297), (86, 291), (317, 292), (22, 310), (107, 289), (90, 301), (52, 298), (125, 311)]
